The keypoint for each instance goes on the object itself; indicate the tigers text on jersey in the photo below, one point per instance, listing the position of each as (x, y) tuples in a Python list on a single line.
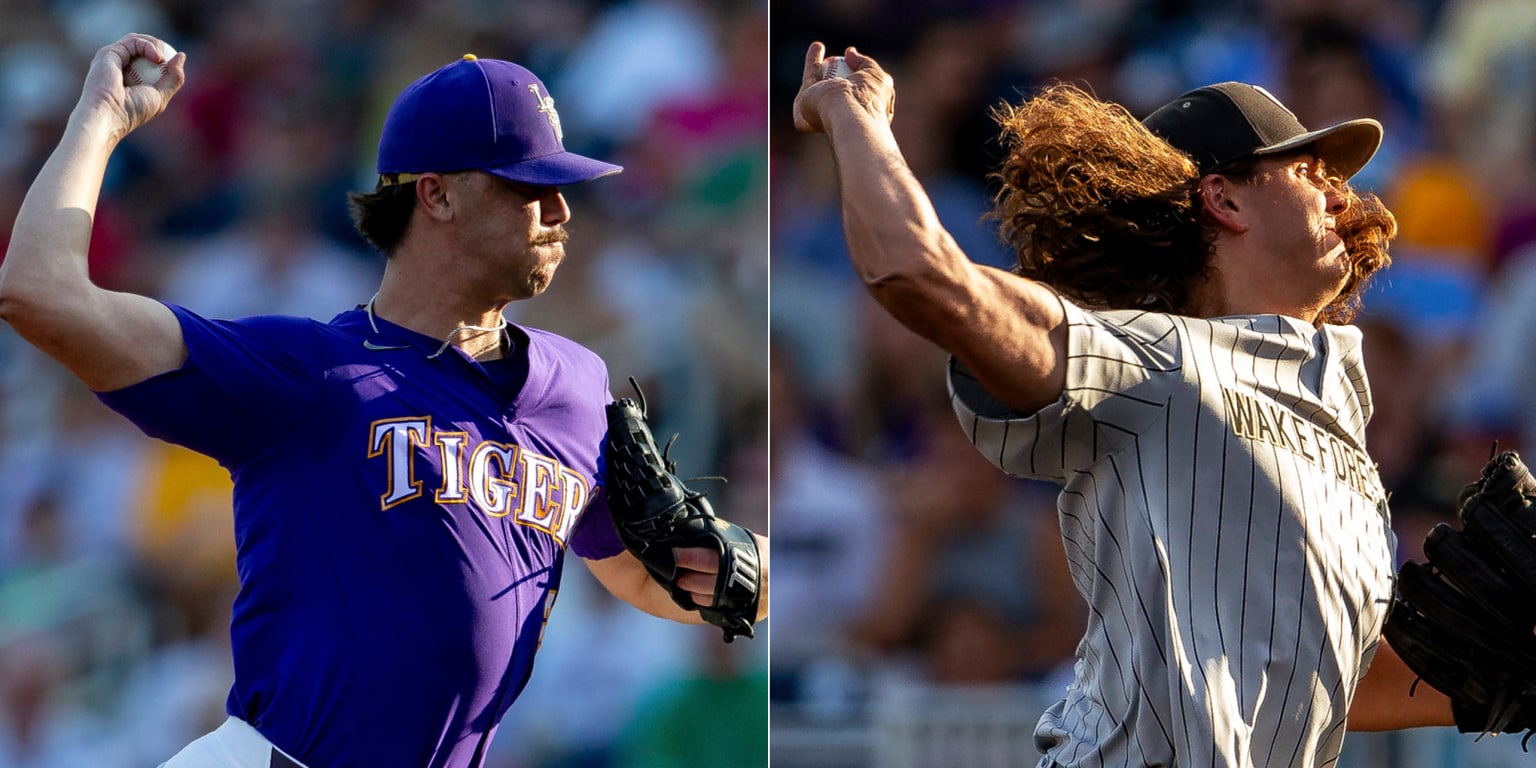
[(400, 522), (1224, 524)]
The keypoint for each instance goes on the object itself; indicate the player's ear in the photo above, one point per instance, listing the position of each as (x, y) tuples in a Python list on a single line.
[(1220, 203), (433, 196)]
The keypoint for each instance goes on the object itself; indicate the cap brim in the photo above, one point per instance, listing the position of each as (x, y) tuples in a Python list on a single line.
[(1344, 148), (556, 170)]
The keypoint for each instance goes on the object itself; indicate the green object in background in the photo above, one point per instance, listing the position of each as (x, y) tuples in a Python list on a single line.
[(701, 720)]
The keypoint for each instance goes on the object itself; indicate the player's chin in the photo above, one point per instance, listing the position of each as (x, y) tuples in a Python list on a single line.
[(1334, 252), (543, 273), (540, 279), (537, 285)]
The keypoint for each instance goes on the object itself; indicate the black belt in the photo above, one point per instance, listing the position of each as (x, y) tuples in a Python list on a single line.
[(280, 760)]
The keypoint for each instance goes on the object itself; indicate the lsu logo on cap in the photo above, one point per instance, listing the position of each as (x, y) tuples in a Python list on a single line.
[(547, 106)]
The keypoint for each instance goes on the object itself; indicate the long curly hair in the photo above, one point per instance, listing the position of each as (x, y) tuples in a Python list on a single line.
[(1366, 227), (1104, 211)]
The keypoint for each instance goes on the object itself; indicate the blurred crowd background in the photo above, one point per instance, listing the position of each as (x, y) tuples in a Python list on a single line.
[(923, 610), (116, 552)]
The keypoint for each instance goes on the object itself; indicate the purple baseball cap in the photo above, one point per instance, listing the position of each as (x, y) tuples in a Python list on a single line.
[(480, 115)]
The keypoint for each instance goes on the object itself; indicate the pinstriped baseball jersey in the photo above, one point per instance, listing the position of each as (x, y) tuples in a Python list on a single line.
[(1225, 526)]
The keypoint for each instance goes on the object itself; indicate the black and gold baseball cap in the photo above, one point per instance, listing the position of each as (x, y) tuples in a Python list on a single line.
[(1226, 122)]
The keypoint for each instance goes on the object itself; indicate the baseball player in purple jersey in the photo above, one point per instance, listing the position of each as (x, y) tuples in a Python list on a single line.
[(409, 476)]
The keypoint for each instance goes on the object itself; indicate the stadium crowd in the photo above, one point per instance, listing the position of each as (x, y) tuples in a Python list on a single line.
[(949, 579), (116, 552)]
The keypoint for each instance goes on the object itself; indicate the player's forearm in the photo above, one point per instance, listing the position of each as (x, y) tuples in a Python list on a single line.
[(45, 266), (625, 578), (899, 247), (654, 599), (1382, 702)]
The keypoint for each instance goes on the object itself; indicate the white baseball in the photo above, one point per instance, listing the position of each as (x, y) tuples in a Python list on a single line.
[(834, 66), (142, 71)]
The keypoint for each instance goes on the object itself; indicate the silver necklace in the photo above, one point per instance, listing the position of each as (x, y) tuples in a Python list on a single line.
[(506, 338)]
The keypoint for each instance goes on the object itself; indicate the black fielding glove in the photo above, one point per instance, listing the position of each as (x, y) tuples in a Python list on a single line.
[(655, 512)]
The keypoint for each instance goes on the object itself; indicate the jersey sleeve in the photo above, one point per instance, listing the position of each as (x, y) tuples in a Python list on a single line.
[(1120, 368), (595, 537), (245, 384)]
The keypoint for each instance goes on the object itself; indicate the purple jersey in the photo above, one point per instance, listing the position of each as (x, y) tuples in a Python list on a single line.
[(400, 522)]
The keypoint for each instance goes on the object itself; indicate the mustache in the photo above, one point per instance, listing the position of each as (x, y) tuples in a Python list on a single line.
[(552, 237)]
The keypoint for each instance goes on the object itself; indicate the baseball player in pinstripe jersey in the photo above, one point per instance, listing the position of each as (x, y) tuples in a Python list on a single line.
[(1171, 351)]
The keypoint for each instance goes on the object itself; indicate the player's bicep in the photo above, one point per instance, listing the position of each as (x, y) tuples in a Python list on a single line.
[(1010, 332), (107, 339)]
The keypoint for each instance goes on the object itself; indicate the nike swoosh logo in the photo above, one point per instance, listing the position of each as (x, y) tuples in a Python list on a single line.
[(377, 347)]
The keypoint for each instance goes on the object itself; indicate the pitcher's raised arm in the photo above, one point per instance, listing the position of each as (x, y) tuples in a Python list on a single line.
[(1009, 331), (106, 338)]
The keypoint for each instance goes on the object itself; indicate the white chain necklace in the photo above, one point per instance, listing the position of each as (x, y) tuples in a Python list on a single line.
[(506, 338)]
